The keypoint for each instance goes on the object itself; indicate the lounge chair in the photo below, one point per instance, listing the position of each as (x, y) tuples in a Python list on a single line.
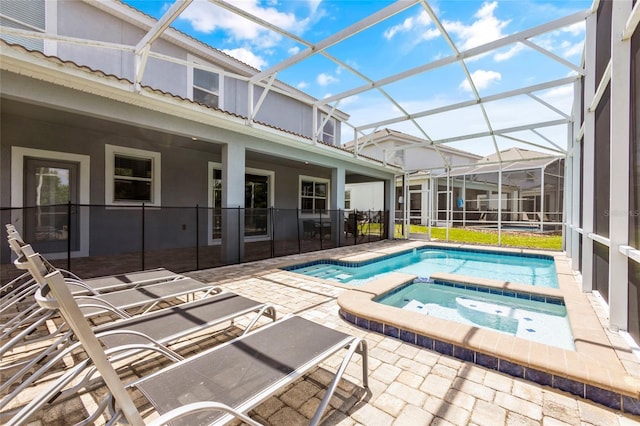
[(118, 303), (158, 328), (217, 385), (104, 283)]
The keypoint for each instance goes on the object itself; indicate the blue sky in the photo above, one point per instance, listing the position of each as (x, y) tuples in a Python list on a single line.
[(402, 42)]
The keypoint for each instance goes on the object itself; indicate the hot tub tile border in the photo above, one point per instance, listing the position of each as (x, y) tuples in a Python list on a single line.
[(611, 399), (555, 300)]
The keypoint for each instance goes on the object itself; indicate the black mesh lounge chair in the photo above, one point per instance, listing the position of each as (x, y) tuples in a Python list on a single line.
[(219, 384)]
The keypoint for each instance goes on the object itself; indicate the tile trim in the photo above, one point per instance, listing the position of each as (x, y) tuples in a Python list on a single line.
[(614, 400)]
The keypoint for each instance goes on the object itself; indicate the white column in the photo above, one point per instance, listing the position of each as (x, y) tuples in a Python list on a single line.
[(567, 217), (390, 205), (336, 200), (588, 154), (542, 199), (500, 205), (576, 182), (619, 167), (233, 165), (424, 202)]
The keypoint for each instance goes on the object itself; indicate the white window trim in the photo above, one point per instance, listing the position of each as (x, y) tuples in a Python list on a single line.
[(248, 170), (109, 174), (209, 68), (315, 180), (18, 155)]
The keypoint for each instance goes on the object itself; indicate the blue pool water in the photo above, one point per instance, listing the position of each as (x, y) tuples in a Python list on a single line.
[(532, 270), (541, 320)]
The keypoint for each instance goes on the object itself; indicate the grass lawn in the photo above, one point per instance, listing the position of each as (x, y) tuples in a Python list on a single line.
[(509, 239)]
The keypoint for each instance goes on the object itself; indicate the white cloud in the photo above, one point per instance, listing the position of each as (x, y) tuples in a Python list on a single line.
[(302, 85), (484, 29), (481, 79), (207, 18), (325, 79), (294, 50), (314, 5), (418, 23), (513, 51), (572, 49), (576, 29), (247, 56)]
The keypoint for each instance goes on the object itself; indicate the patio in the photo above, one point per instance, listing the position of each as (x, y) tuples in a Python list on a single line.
[(409, 385)]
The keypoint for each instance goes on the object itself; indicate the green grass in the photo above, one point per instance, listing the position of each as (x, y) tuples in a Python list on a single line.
[(509, 239)]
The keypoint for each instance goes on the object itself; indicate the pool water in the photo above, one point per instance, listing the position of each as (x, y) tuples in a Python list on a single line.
[(539, 270), (540, 320)]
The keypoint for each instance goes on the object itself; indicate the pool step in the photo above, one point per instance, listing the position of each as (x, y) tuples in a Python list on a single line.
[(328, 272), (416, 306)]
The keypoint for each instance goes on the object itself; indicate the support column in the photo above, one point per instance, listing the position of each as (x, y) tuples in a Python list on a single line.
[(575, 206), (336, 202), (619, 166), (233, 165), (500, 205), (567, 212), (588, 154), (542, 199), (390, 205)]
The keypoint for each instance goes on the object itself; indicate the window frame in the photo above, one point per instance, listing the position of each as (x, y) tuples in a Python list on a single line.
[(315, 180), (190, 79), (156, 186)]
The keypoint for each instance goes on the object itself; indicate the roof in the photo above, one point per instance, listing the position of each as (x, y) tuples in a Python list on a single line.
[(387, 135), (512, 159), (15, 56)]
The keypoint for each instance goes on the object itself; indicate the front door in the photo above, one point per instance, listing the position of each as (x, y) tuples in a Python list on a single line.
[(51, 224)]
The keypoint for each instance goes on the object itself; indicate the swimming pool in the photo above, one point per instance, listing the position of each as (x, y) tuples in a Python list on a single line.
[(535, 270), (536, 318)]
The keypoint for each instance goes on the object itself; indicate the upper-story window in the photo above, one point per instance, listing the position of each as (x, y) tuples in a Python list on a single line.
[(329, 130), (132, 176), (24, 15), (205, 86)]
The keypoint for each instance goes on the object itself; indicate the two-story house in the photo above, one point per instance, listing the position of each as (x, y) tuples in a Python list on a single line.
[(104, 108)]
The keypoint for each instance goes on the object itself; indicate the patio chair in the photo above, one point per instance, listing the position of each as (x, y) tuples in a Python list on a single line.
[(157, 328), (108, 282), (119, 303), (217, 385)]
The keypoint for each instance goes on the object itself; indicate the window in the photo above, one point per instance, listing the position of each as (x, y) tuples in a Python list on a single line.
[(205, 86), (132, 176), (347, 200), (314, 195), (329, 130)]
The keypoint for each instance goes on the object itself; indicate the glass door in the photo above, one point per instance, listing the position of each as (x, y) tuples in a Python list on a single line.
[(256, 203), (49, 187)]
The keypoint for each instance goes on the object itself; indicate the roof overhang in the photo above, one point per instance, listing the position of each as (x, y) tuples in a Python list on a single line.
[(34, 65)]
